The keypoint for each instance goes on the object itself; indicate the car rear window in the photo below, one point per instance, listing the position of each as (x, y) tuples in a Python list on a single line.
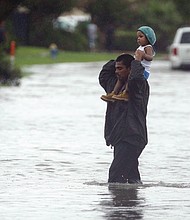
[(185, 38)]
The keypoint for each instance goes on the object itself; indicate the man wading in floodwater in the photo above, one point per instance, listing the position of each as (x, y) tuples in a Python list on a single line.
[(125, 122)]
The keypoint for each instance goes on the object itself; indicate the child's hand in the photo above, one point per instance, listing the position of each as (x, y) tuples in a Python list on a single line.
[(139, 55)]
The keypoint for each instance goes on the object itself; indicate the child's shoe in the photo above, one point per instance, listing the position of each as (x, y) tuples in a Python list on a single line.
[(121, 97), (108, 97)]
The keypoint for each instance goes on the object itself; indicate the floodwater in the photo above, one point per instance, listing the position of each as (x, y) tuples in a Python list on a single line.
[(54, 161)]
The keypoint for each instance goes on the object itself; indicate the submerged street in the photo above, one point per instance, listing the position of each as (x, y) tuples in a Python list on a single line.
[(54, 160)]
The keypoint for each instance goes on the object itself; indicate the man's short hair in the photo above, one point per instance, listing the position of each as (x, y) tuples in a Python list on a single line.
[(126, 59)]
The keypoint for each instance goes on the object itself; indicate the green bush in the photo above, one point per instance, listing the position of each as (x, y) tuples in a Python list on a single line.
[(75, 41), (9, 75), (125, 40)]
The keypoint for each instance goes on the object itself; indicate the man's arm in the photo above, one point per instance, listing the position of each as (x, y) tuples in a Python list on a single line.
[(107, 76)]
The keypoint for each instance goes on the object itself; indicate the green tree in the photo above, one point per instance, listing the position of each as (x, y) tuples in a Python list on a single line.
[(46, 9), (105, 12), (128, 15), (183, 7), (6, 6), (9, 75), (163, 17), (42, 13)]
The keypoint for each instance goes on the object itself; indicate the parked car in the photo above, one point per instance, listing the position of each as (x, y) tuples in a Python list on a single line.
[(179, 51)]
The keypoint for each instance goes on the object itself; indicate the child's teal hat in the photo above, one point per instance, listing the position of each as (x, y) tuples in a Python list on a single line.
[(149, 33)]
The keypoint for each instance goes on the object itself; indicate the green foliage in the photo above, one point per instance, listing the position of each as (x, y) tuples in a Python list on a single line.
[(46, 8), (9, 75), (75, 41), (6, 7), (161, 17), (126, 16), (42, 13), (183, 7), (71, 41), (46, 35), (125, 40), (105, 12), (42, 33)]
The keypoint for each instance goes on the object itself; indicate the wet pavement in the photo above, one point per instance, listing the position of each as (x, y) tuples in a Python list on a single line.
[(54, 161)]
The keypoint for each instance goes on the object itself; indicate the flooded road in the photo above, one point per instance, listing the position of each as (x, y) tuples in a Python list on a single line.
[(54, 161)]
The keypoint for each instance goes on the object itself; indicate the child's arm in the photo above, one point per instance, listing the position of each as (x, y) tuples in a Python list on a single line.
[(148, 55)]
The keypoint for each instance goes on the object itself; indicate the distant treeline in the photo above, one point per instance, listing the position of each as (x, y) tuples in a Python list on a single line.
[(31, 23)]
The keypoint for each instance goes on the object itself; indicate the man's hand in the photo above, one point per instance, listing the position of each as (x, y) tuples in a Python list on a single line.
[(139, 55)]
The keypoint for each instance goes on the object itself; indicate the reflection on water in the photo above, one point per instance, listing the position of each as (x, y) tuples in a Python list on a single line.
[(125, 203), (54, 160)]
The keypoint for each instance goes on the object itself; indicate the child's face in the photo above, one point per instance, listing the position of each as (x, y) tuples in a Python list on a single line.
[(141, 39)]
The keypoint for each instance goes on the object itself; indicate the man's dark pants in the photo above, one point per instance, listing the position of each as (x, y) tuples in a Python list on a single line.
[(125, 164)]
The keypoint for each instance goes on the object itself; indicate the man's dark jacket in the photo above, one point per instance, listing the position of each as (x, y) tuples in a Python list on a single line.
[(126, 120)]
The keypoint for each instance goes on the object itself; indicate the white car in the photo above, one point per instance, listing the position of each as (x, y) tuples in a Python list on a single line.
[(179, 52)]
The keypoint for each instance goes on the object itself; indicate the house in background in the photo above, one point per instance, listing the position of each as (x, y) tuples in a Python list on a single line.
[(68, 21)]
